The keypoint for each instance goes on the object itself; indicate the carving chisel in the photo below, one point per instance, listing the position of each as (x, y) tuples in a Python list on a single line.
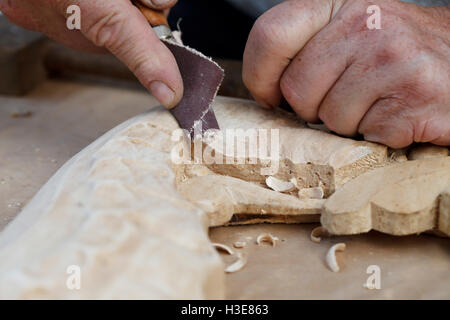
[(201, 78)]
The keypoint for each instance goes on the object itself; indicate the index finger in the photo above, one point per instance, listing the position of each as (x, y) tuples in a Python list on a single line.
[(276, 38)]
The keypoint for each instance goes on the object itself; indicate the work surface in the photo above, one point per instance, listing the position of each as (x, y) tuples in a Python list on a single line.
[(40, 132)]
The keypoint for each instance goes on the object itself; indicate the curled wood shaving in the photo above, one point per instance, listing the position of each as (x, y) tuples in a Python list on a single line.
[(240, 244), (294, 182), (331, 256), (279, 185), (311, 193), (267, 237), (239, 264), (318, 233), (223, 248)]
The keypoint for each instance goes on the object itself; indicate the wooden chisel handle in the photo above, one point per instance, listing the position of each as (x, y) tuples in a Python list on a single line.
[(154, 17)]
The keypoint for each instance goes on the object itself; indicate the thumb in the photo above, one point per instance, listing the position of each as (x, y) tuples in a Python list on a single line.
[(123, 30)]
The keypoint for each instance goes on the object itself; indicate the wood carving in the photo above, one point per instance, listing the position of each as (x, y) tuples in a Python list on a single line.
[(406, 198), (136, 223), (235, 191), (426, 151), (112, 211)]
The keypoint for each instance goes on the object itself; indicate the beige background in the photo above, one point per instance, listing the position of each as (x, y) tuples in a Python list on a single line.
[(66, 117)]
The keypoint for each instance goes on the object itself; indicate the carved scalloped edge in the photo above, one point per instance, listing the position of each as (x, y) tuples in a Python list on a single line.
[(402, 199)]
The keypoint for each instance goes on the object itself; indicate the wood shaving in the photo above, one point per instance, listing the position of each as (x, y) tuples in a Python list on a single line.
[(311, 193), (267, 237), (223, 247), (318, 233), (294, 182), (331, 256), (279, 185), (240, 244), (239, 264)]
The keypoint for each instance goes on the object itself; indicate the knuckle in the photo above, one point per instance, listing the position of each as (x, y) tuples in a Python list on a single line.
[(398, 44), (429, 129), (422, 85), (261, 42), (253, 78), (392, 51), (429, 81), (394, 137), (421, 131), (390, 123), (266, 32), (289, 86), (326, 117), (298, 101), (104, 30), (288, 89), (143, 70), (258, 31)]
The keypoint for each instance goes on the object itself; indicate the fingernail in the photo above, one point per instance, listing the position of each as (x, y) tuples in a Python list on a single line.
[(162, 93)]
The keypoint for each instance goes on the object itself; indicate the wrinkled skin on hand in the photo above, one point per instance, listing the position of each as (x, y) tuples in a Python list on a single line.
[(114, 25), (392, 85)]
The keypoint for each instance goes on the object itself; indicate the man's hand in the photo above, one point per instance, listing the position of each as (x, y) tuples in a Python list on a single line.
[(391, 84), (115, 25)]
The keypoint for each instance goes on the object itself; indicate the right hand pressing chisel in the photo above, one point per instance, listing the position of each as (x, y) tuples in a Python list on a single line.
[(201, 77)]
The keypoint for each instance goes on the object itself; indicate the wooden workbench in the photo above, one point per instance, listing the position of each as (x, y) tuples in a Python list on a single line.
[(61, 118)]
